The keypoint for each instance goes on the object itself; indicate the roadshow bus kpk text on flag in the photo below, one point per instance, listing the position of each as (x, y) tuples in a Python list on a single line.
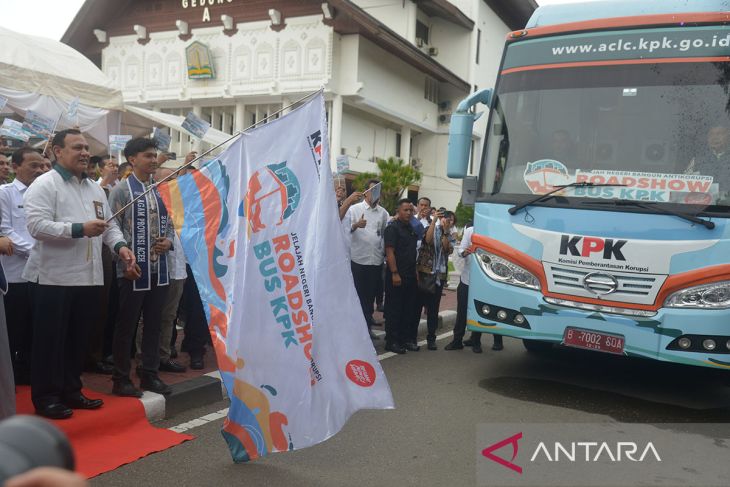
[(602, 202)]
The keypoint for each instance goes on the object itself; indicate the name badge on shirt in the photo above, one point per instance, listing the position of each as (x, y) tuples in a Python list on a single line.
[(99, 210)]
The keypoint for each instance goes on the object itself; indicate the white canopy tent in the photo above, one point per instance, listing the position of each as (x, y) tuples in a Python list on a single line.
[(44, 75), (212, 136)]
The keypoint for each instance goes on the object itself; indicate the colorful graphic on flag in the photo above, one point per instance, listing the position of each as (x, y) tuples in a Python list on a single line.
[(260, 228)]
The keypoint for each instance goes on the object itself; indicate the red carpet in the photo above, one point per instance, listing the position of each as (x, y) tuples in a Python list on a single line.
[(110, 437)]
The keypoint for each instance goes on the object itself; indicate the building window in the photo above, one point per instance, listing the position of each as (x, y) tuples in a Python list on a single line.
[(431, 91), (479, 43), (422, 33), (398, 139)]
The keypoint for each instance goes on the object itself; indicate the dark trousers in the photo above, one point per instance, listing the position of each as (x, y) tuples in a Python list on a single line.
[(61, 323), (400, 305), (380, 288), (131, 302), (431, 302), (95, 352), (111, 318), (196, 323), (18, 313), (366, 283), (462, 302)]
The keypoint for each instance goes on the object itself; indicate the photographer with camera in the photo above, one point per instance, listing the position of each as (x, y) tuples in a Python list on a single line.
[(35, 453)]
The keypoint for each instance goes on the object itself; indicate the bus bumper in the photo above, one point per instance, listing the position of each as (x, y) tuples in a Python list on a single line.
[(656, 337)]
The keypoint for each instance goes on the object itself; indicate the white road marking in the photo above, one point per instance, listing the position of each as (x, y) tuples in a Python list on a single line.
[(194, 423)]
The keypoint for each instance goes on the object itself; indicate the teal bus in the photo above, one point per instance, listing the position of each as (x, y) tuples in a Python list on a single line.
[(603, 197)]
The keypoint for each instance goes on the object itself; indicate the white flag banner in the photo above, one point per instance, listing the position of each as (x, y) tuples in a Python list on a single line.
[(261, 230), (72, 112)]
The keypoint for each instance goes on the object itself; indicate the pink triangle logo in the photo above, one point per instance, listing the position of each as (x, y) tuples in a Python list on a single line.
[(488, 452)]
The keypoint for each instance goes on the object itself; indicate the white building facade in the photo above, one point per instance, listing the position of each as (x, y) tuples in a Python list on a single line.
[(392, 70)]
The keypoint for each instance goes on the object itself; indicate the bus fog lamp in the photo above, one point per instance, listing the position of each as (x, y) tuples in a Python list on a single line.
[(709, 344), (519, 319), (727, 344), (684, 343), (486, 309), (502, 314)]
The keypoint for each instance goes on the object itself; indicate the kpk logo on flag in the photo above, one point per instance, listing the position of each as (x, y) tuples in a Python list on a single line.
[(260, 228)]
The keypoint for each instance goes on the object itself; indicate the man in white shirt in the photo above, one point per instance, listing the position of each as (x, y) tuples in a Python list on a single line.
[(367, 221), (28, 165), (462, 302), (424, 211), (109, 167), (178, 275), (7, 384), (67, 214)]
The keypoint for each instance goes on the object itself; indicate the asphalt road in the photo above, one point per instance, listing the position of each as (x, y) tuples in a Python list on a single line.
[(441, 397)]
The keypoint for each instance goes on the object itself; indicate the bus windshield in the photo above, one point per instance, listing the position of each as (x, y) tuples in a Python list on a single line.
[(658, 131)]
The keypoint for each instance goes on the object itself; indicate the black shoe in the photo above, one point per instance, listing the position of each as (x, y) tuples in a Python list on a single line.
[(476, 348), (125, 388), (373, 336), (151, 382), (55, 411), (468, 343), (196, 362), (454, 346), (412, 347), (395, 348), (172, 366), (79, 401), (101, 368), (432, 345)]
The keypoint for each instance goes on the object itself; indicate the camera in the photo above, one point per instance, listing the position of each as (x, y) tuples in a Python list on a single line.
[(27, 442)]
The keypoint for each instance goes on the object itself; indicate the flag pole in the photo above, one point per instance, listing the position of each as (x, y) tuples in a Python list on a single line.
[(55, 126), (188, 164)]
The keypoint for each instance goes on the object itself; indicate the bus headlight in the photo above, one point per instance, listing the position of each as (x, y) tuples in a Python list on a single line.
[(706, 296), (502, 270)]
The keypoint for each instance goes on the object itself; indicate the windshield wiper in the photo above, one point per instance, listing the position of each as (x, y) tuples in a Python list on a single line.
[(548, 195), (692, 218)]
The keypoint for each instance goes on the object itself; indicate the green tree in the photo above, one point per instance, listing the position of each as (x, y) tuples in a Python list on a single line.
[(464, 214), (396, 177)]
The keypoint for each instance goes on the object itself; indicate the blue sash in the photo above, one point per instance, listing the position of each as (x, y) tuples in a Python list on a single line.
[(141, 236)]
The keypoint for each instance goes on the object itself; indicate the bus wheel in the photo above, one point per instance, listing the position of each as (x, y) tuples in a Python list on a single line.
[(537, 346)]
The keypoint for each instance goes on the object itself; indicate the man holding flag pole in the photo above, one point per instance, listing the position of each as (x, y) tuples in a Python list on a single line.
[(143, 289)]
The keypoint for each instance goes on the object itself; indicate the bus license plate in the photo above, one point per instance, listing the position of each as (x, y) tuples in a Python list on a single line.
[(592, 340)]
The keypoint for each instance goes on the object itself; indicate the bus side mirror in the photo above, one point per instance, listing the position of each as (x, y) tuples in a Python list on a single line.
[(460, 133), (469, 190)]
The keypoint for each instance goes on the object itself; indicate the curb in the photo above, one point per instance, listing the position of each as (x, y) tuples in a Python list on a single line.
[(208, 388)]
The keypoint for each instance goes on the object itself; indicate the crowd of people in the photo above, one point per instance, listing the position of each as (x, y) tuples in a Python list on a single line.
[(95, 276), (404, 259), (92, 281)]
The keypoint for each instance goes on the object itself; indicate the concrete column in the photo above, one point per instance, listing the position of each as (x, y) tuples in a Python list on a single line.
[(285, 102), (195, 143), (215, 114), (259, 114), (226, 126), (336, 134), (240, 121), (405, 144)]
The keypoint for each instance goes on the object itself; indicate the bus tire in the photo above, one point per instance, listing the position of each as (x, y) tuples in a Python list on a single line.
[(537, 346)]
